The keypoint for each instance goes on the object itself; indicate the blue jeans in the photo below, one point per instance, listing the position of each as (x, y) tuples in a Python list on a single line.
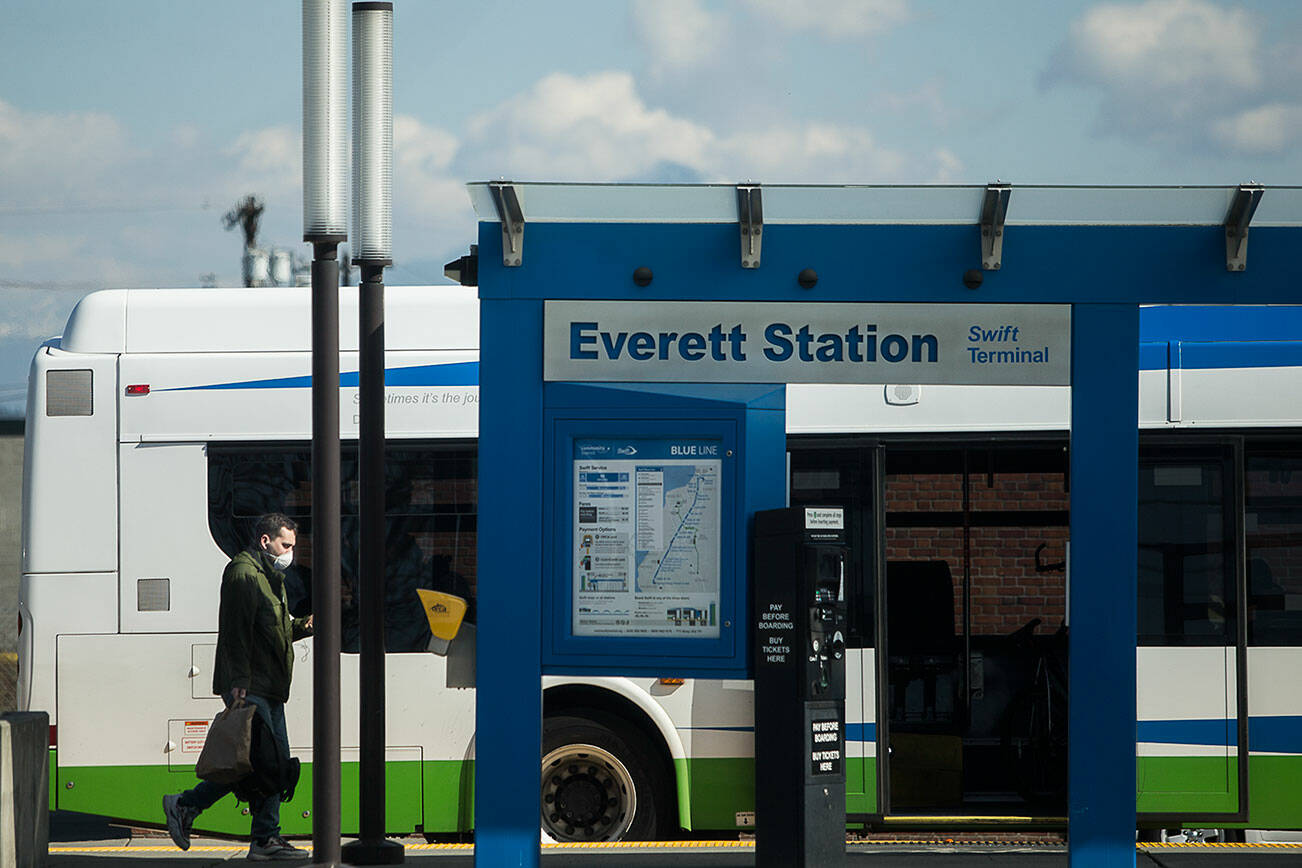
[(266, 813)]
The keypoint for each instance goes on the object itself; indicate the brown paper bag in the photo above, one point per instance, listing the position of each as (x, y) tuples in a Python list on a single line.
[(225, 755)]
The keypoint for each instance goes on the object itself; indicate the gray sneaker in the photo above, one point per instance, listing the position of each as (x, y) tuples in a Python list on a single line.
[(180, 819), (275, 849)]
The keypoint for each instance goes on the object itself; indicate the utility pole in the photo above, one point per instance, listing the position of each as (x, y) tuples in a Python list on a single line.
[(246, 214)]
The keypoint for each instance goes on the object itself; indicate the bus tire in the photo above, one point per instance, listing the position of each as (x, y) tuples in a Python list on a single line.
[(600, 781)]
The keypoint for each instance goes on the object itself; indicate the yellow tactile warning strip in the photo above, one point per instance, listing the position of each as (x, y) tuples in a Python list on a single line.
[(1266, 845), (935, 820)]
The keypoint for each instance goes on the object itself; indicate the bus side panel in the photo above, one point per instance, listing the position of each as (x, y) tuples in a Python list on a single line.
[(54, 604), (131, 739), (267, 396), (132, 727), (1274, 738), (719, 738), (70, 497), (1241, 397), (1187, 745), (861, 731), (171, 567)]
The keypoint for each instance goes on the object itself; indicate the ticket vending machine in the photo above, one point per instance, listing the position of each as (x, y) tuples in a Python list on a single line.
[(799, 626)]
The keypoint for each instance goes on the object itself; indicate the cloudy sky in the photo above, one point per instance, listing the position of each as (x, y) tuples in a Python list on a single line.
[(127, 129)]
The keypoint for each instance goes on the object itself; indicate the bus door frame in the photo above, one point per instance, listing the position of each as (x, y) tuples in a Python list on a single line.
[(1233, 446)]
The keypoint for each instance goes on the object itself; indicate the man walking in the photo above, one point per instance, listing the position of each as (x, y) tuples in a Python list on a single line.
[(254, 662)]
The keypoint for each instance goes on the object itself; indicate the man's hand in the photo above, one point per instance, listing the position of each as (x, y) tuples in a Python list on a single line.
[(308, 623), (238, 693)]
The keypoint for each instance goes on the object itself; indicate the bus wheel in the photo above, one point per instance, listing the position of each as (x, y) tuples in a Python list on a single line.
[(599, 781)]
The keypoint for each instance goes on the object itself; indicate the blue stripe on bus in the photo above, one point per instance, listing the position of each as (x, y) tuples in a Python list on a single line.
[(451, 374), (861, 732), (1215, 337), (1209, 732), (1162, 323), (1240, 354), (1153, 356), (1191, 355), (1275, 734)]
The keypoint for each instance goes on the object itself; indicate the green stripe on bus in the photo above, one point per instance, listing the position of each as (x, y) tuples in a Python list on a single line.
[(1194, 784), (720, 788), (136, 792), (1275, 792), (710, 793)]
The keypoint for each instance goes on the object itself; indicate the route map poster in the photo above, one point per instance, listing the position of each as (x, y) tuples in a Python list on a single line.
[(647, 537)]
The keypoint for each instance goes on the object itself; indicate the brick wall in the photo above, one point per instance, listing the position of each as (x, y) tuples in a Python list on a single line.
[(1006, 589)]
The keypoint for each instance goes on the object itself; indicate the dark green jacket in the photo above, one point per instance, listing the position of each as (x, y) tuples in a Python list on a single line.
[(255, 631)]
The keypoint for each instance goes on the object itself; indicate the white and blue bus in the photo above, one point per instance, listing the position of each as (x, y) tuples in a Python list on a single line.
[(163, 421)]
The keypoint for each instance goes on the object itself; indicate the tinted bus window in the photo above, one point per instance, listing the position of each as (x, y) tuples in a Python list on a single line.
[(1273, 533), (1186, 546), (430, 518)]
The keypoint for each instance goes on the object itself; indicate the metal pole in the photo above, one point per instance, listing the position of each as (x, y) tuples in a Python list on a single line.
[(370, 568), (371, 848), (325, 556)]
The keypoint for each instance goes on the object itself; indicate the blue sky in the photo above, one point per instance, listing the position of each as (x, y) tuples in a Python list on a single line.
[(128, 128)]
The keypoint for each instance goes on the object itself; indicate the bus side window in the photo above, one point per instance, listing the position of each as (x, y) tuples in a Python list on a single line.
[(430, 517), (1273, 530), (1186, 577)]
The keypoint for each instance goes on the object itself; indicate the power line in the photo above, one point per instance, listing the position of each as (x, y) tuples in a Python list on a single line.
[(10, 211), (55, 285)]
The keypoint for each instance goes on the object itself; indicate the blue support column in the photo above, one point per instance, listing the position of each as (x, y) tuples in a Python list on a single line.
[(508, 734), (1104, 537)]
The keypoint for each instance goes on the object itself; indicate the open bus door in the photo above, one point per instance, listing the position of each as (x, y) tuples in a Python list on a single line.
[(971, 581)]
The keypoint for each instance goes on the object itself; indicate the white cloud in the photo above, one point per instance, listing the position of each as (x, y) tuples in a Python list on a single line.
[(1165, 69), (678, 33), (269, 160), (816, 152), (948, 166), (45, 157), (835, 19), (431, 210), (1162, 45), (1267, 129), (16, 252), (600, 128), (36, 313), (594, 127)]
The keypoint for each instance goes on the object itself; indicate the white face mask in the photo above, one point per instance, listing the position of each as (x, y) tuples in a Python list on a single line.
[(281, 562)]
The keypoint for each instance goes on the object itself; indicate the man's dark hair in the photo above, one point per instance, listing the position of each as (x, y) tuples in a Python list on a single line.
[(271, 523)]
